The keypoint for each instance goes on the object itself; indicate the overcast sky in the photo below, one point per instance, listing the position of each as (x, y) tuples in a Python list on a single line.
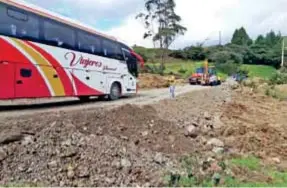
[(203, 18)]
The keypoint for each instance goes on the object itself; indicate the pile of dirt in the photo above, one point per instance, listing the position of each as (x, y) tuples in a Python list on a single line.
[(147, 81), (136, 146), (125, 146), (152, 81), (256, 124), (246, 122)]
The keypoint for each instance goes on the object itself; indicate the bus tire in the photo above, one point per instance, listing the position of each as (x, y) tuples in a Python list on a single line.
[(84, 98), (115, 92)]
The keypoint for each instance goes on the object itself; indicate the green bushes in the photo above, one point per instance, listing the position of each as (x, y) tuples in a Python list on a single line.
[(153, 69), (278, 79), (228, 68), (182, 70), (265, 50), (225, 57)]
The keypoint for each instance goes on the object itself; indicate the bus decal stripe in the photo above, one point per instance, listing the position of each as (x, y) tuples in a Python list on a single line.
[(45, 66), (84, 89), (30, 59), (67, 82), (16, 57)]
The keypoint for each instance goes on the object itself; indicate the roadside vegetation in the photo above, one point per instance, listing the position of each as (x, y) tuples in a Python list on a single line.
[(186, 68), (259, 58), (251, 172)]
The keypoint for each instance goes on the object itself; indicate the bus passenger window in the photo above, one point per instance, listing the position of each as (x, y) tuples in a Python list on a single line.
[(26, 73), (89, 43), (58, 34), (112, 50), (18, 23)]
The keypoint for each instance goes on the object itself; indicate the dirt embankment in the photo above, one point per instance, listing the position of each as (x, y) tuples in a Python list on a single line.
[(148, 81), (131, 145)]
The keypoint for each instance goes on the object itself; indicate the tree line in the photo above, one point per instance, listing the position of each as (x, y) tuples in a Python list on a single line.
[(264, 50), (163, 26)]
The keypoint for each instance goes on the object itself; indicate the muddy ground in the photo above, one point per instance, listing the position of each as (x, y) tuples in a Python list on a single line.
[(139, 145)]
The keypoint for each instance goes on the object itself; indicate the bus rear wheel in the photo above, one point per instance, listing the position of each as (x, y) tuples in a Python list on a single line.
[(115, 92)]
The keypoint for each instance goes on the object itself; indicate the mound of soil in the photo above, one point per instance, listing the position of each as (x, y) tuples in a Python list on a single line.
[(147, 81), (125, 146), (256, 125), (135, 146)]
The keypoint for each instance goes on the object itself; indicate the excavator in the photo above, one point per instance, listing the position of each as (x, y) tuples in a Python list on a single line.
[(205, 75)]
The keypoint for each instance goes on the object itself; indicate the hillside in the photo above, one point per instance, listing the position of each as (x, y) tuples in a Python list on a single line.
[(185, 68)]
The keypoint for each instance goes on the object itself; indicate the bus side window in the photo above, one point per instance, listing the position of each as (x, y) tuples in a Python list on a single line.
[(18, 23), (58, 34), (112, 50), (89, 43)]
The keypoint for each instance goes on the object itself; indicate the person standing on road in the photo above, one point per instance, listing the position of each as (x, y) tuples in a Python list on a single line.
[(172, 88)]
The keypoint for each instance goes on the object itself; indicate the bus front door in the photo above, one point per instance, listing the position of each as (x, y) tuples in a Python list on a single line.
[(7, 80)]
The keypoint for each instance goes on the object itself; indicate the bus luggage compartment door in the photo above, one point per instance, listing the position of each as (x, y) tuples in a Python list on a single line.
[(7, 80), (30, 83)]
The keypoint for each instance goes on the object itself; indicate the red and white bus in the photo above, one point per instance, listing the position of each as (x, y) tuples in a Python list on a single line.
[(43, 54)]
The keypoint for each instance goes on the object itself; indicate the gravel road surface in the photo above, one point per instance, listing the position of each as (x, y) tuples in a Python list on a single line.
[(31, 106)]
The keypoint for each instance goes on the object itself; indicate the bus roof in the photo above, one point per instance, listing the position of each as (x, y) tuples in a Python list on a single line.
[(48, 14)]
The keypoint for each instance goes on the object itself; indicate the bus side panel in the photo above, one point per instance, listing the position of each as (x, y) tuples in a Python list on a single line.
[(62, 74), (18, 61), (7, 80), (29, 82), (83, 83), (67, 82), (54, 79)]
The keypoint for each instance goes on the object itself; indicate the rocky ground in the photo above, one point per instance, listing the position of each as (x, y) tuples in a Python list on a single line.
[(141, 145)]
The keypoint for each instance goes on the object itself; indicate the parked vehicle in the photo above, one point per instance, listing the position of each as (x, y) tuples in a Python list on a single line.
[(205, 75)]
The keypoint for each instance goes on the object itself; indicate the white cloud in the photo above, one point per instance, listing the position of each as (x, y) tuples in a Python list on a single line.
[(131, 32), (203, 18)]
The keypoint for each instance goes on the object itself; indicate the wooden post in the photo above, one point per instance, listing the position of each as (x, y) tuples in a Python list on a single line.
[(283, 48)]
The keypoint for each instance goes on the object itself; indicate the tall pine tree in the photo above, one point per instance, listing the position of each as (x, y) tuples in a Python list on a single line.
[(240, 37), (162, 23), (260, 40)]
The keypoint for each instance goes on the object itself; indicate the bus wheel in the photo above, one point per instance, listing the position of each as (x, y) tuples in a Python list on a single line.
[(115, 92), (84, 98)]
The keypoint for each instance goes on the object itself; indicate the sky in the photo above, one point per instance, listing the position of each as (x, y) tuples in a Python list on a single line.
[(203, 18)]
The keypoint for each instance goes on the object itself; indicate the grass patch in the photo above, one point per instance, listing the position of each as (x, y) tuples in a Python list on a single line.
[(22, 185), (250, 162), (261, 71), (186, 68), (192, 178), (274, 92), (279, 178)]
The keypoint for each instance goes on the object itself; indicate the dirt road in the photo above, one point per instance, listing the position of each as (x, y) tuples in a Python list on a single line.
[(194, 136), (32, 106)]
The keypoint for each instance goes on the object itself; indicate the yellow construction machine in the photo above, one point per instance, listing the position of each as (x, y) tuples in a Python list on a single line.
[(205, 75)]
